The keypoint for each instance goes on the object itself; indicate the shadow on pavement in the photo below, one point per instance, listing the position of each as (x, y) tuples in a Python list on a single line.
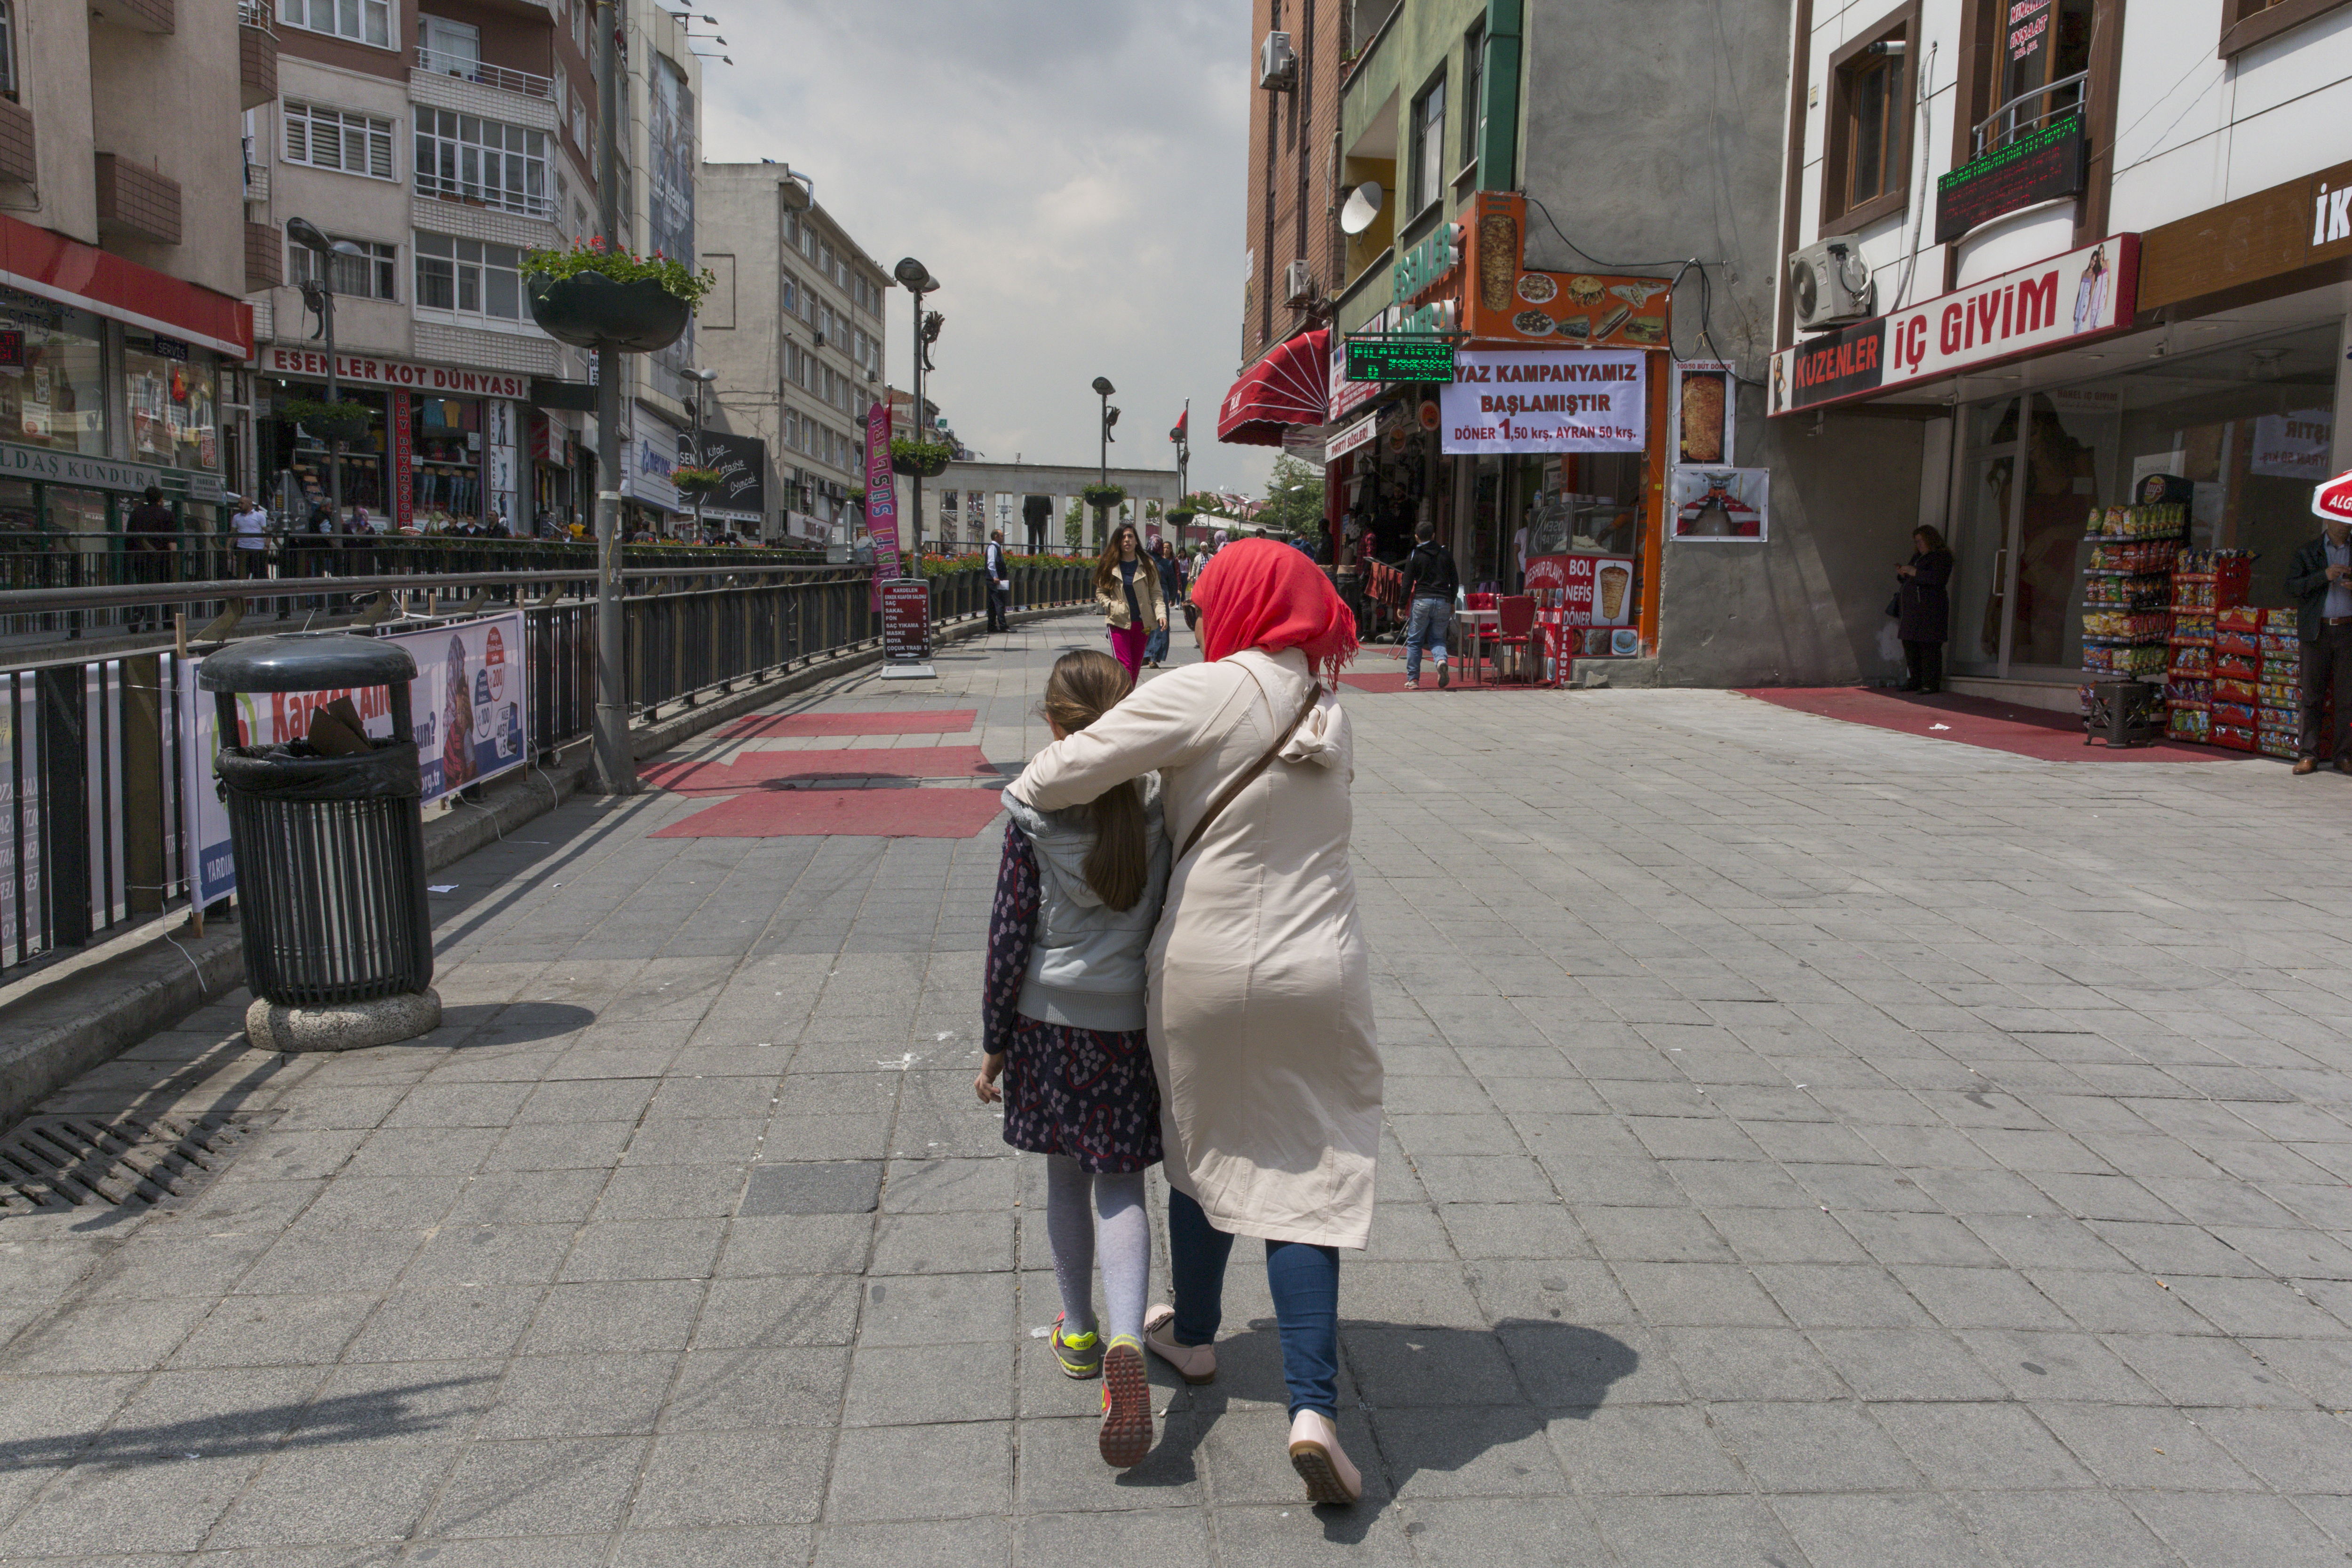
[(265, 1429)]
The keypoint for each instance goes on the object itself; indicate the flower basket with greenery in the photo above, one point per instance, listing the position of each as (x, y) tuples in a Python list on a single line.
[(693, 481), (1103, 497), (1181, 515), (593, 294), (919, 459), (339, 420)]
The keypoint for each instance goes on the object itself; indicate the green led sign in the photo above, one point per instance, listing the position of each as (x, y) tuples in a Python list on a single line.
[(1400, 359)]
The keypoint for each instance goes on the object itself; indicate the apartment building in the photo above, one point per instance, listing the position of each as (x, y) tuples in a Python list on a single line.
[(1292, 219), (443, 141), (794, 332), (122, 334), (2050, 256)]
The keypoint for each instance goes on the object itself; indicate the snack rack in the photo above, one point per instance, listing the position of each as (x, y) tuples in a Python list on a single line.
[(2127, 615), (2206, 584)]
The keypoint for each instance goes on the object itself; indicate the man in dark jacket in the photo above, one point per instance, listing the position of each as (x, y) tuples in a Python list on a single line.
[(1429, 582), (999, 583), (1171, 591), (151, 527), (2319, 581)]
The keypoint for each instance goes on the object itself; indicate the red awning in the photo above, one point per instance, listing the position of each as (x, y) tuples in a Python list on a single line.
[(44, 263), (1290, 386)]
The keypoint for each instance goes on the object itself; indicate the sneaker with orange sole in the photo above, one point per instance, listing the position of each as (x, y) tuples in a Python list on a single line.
[(1126, 1436)]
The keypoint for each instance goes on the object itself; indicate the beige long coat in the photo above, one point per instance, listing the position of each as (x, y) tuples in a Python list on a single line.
[(1111, 601), (1260, 1013)]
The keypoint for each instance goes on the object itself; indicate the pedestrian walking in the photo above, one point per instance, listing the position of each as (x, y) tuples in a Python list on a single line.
[(1430, 585), (1000, 584), (1923, 607), (1078, 894), (149, 541), (248, 523), (1126, 592), (1171, 594), (2319, 581), (1260, 1003)]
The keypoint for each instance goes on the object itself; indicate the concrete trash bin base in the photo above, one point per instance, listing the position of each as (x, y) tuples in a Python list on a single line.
[(346, 1026)]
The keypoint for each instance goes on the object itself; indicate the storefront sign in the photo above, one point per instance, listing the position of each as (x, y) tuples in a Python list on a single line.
[(470, 709), (365, 370), (1507, 303), (1400, 359), (1594, 590), (2040, 167), (1558, 400), (1358, 435), (1719, 505), (1344, 395), (401, 440), (2058, 304), (2294, 446), (906, 620), (1428, 264), (2269, 235), (2334, 499), (646, 463), (741, 462), (104, 474)]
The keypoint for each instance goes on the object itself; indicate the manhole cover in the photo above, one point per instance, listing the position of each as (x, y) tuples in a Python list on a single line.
[(91, 1161), (846, 1187)]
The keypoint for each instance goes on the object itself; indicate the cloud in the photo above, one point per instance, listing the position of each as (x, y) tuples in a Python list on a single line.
[(1072, 170)]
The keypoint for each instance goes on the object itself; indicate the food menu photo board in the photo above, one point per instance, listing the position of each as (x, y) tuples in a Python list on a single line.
[(1596, 600), (1704, 398), (1505, 302), (1711, 505)]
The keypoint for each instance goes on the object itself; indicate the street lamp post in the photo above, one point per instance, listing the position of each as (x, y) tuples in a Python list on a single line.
[(319, 294), (1103, 389), (919, 283), (702, 378)]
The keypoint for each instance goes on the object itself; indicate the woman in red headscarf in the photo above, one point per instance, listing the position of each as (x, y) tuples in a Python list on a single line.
[(1260, 1010)]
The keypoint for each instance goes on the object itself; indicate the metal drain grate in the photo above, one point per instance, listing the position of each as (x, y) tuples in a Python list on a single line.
[(52, 1162)]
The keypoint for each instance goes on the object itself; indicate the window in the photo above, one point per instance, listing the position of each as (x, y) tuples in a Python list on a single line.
[(367, 21), (499, 165), (455, 47), (1866, 157), (7, 51), (468, 277), (579, 124), (375, 275), (2046, 51), (1428, 145), (1473, 79), (330, 138)]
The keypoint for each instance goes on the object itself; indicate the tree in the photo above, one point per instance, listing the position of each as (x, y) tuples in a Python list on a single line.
[(1074, 528), (1294, 497)]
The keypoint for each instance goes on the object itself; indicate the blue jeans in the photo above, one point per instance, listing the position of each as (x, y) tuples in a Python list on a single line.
[(1427, 628), (1303, 1281), (1156, 650)]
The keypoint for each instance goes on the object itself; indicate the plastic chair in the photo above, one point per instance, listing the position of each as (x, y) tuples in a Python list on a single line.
[(1515, 620)]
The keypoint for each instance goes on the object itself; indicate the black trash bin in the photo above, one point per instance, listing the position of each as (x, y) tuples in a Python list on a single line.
[(329, 849)]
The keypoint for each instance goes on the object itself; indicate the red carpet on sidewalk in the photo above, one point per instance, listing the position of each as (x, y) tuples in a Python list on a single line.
[(752, 770), (868, 813), (764, 726), (1385, 681), (1976, 722)]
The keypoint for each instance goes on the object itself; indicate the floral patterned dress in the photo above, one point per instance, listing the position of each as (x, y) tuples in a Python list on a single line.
[(1086, 1094)]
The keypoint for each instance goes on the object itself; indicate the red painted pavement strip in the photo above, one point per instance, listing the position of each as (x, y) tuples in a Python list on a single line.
[(1978, 722), (853, 812), (944, 722), (754, 770)]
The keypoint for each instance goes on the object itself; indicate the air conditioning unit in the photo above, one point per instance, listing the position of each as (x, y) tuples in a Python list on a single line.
[(1277, 63), (820, 340), (1831, 285), (1297, 285)]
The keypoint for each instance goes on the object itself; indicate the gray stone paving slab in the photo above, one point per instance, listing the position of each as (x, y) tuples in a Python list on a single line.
[(1805, 1146)]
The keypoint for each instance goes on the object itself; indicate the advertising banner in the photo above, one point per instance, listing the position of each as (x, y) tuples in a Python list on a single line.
[(907, 619), (2040, 167), (1545, 400), (2067, 299), (1597, 608), (1583, 310), (471, 714), (1705, 403), (1721, 505), (742, 462), (403, 440), (881, 498)]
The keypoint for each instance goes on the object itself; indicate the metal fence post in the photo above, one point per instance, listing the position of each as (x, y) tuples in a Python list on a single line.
[(64, 804)]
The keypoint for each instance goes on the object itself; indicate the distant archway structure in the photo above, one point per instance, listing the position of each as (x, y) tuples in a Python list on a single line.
[(1004, 487)]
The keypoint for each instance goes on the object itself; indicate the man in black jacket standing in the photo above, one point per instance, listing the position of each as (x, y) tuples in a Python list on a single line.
[(2319, 581), (1429, 582), (1000, 584)]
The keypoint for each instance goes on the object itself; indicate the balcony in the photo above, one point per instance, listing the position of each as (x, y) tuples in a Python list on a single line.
[(434, 63), (256, 59), (137, 16), (264, 258), (137, 202), (16, 166)]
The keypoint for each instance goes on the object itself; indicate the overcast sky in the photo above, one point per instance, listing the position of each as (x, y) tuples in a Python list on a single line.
[(1072, 170)]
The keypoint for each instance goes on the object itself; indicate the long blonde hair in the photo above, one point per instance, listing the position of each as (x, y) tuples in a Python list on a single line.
[(1086, 685)]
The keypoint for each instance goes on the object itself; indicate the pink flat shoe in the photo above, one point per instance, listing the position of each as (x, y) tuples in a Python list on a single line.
[(1315, 1455), (1196, 1363)]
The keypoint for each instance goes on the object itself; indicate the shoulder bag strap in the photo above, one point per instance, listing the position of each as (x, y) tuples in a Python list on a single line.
[(1232, 790)]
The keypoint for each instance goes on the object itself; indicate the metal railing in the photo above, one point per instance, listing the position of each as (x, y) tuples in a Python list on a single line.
[(93, 837), (474, 71), (2012, 124)]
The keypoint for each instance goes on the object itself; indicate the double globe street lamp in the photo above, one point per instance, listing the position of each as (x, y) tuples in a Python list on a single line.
[(319, 295)]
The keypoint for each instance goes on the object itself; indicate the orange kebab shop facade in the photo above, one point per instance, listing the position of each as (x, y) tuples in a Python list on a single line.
[(1544, 462)]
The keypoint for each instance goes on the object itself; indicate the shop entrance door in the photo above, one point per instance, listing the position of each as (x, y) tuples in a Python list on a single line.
[(1984, 544)]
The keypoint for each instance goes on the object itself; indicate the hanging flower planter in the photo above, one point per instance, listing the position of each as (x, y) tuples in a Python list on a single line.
[(919, 459), (1103, 497), (328, 421), (1181, 516), (589, 311), (691, 481)]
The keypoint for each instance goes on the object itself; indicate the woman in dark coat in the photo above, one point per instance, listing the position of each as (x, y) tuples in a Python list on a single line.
[(1924, 610)]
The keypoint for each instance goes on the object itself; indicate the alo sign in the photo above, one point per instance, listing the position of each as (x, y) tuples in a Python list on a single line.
[(2067, 299)]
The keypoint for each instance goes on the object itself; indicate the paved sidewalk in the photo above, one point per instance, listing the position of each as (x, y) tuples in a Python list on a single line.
[(1809, 1144)]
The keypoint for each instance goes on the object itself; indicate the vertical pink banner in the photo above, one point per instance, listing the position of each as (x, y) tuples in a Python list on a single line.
[(404, 442), (881, 498)]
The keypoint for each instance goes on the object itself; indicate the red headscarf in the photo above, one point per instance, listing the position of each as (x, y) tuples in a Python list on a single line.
[(1257, 594)]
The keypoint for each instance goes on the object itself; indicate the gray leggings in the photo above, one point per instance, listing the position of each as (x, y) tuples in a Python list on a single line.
[(1079, 1207)]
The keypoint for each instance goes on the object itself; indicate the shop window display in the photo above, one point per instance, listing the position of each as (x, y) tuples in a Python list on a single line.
[(52, 377), (173, 399), (446, 483)]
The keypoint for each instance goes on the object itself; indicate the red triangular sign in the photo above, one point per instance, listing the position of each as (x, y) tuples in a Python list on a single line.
[(2334, 499)]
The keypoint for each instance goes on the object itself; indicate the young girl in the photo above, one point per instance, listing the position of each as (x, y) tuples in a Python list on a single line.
[(1077, 898)]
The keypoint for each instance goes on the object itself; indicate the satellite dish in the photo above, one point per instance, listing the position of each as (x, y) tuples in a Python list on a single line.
[(1363, 206)]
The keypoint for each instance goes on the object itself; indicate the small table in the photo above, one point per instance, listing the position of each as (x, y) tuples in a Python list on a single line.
[(1467, 627)]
